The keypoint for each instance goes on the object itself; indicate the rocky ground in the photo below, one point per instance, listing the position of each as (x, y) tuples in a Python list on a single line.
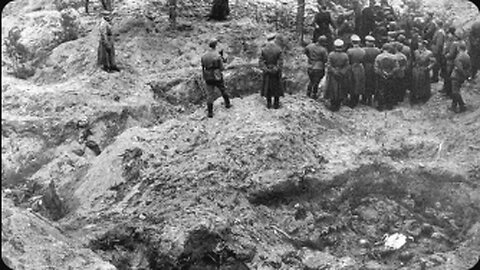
[(124, 171)]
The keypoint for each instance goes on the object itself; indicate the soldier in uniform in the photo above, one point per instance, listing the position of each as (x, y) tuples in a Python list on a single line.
[(450, 53), (322, 22), (461, 71), (438, 41), (385, 67), (271, 62), (106, 49), (429, 28), (371, 52), (405, 49), (212, 67), (345, 30), (423, 63), (356, 56), (368, 20), (337, 69), (400, 74), (317, 57), (474, 48)]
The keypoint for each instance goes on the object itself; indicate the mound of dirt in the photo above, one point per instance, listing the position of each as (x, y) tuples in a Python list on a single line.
[(30, 241), (132, 168)]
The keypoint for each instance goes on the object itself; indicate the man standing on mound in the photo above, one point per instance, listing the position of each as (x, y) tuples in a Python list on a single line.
[(106, 49), (212, 67), (271, 62)]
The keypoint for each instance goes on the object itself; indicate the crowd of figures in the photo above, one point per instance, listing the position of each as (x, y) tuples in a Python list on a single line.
[(371, 55), (378, 57)]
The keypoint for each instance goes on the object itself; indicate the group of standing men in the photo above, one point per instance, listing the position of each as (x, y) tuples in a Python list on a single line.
[(398, 54)]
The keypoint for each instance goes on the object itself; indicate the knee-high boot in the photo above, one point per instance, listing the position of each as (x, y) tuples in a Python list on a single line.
[(227, 101), (276, 102), (210, 109)]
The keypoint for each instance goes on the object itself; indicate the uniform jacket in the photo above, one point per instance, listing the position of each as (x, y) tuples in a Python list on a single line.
[(370, 54), (451, 50), (462, 67), (424, 58), (386, 64), (323, 20), (402, 62), (317, 56), (212, 66), (356, 55), (337, 81), (438, 41), (106, 35)]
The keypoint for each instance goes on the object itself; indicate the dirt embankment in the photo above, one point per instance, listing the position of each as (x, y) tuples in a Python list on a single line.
[(145, 180)]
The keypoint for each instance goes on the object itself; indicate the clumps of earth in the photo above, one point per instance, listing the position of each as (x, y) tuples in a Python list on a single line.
[(125, 171)]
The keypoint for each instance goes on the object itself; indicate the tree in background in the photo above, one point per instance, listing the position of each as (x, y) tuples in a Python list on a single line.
[(172, 7), (300, 19)]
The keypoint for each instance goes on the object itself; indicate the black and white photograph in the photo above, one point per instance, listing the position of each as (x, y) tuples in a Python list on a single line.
[(240, 135)]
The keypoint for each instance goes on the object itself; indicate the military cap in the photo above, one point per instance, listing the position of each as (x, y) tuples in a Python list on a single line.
[(401, 38), (355, 38), (451, 30), (369, 38), (322, 39), (387, 47), (212, 42), (271, 36), (338, 43)]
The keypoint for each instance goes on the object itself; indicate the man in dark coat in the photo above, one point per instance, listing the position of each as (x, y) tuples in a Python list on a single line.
[(423, 62), (357, 11), (461, 71), (271, 63), (400, 74), (212, 67), (474, 48), (371, 52), (438, 41), (368, 20), (429, 28), (106, 49), (322, 22), (220, 10), (385, 67), (337, 71), (450, 52), (317, 58), (356, 56), (345, 30), (405, 50)]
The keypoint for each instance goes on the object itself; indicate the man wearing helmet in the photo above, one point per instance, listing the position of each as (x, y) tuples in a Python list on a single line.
[(337, 68), (356, 57), (371, 52)]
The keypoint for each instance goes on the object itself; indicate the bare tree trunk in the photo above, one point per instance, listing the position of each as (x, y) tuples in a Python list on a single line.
[(300, 19), (172, 4)]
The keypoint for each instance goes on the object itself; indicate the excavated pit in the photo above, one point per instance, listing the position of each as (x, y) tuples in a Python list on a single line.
[(129, 246), (352, 214)]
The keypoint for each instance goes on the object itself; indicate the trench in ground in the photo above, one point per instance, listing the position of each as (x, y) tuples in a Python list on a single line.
[(351, 213)]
